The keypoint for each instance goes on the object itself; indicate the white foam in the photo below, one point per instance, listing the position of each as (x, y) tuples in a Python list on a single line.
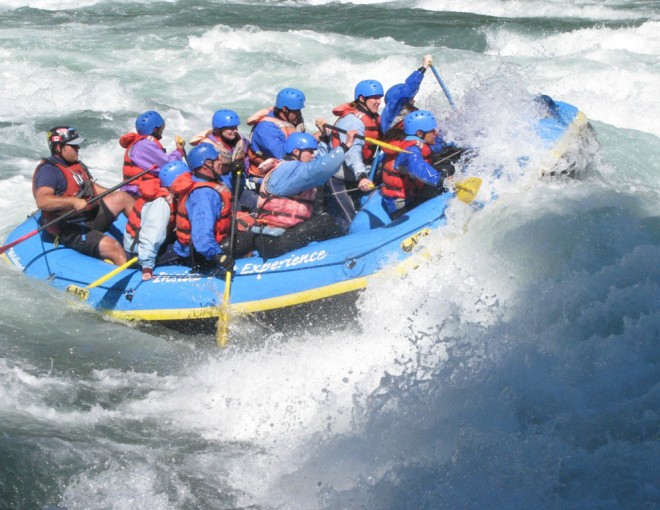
[(531, 9), (609, 74)]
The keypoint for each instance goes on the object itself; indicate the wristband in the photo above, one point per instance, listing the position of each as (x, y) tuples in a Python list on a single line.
[(344, 147)]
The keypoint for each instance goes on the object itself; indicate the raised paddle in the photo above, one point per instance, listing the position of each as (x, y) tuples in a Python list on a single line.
[(368, 139), (72, 211), (83, 293), (444, 87), (222, 333)]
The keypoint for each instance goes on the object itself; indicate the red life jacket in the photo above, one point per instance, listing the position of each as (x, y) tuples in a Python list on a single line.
[(371, 123), (256, 158), (130, 169), (396, 184), (283, 212), (182, 187), (78, 184), (150, 190)]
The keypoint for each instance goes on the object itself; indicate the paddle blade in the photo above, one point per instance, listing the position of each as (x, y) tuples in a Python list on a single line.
[(79, 292), (222, 333), (468, 189)]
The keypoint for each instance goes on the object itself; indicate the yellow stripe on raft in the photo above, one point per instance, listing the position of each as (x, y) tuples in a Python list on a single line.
[(242, 308)]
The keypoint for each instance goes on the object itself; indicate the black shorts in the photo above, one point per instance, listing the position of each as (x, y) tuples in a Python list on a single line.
[(85, 237)]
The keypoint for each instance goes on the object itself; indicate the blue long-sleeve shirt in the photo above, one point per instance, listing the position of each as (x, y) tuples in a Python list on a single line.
[(400, 98), (293, 177), (268, 139), (203, 206)]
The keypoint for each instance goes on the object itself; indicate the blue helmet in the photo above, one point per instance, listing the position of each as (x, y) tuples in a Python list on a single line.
[(419, 120), (171, 171), (293, 99), (368, 88), (300, 141), (200, 153), (147, 123), (225, 118), (393, 91)]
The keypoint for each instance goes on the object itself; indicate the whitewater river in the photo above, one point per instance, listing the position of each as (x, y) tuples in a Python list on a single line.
[(517, 368)]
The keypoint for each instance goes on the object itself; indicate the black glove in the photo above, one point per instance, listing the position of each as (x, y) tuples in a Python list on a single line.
[(223, 260), (237, 166)]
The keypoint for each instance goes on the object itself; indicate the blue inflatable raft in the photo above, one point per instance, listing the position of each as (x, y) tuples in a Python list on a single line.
[(315, 272)]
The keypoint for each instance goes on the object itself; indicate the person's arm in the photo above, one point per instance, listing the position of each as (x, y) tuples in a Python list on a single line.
[(414, 165), (291, 179), (203, 206), (404, 95), (153, 231), (357, 170)]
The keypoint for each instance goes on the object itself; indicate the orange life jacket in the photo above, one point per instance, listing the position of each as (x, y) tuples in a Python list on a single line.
[(371, 123), (256, 158), (130, 168), (283, 212), (78, 184), (182, 187), (395, 183), (150, 190)]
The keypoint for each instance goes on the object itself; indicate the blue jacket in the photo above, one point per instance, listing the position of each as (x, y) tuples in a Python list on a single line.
[(399, 99), (293, 177), (203, 206), (268, 139)]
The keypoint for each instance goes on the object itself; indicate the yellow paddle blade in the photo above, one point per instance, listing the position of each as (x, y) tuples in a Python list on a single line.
[(468, 189), (385, 145), (83, 293), (222, 333)]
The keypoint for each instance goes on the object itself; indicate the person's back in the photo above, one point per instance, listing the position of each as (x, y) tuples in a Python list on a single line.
[(61, 183), (144, 150)]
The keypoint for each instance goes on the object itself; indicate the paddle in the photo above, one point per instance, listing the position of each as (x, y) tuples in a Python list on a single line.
[(444, 88), (72, 211), (467, 189), (374, 164), (222, 334), (83, 293), (368, 139)]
